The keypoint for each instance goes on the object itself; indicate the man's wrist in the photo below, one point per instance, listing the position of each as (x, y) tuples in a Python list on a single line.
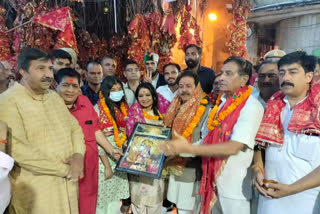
[(190, 149), (295, 188)]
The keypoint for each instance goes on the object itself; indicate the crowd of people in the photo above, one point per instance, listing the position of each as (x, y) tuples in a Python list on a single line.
[(244, 139)]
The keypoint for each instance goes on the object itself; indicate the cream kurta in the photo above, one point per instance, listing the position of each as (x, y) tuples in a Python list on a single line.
[(42, 134)]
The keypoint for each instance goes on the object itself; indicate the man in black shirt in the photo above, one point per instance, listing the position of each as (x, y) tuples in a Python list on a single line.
[(94, 77), (206, 75)]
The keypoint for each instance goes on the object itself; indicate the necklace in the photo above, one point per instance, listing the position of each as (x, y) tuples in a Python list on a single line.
[(151, 117), (237, 100)]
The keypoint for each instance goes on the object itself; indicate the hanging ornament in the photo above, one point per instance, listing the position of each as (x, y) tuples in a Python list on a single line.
[(238, 28)]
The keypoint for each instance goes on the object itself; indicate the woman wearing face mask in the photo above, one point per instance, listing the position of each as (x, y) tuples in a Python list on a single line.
[(146, 193), (112, 111)]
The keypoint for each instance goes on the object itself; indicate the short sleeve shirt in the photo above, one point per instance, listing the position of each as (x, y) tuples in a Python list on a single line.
[(235, 180)]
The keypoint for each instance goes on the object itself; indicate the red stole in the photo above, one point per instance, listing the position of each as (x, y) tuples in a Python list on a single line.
[(305, 117), (213, 167), (104, 121)]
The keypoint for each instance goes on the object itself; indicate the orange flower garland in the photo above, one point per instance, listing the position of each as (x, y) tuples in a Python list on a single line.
[(237, 100), (151, 117), (196, 118), (106, 110)]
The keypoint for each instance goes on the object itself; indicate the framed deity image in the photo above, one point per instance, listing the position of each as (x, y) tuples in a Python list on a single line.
[(143, 155)]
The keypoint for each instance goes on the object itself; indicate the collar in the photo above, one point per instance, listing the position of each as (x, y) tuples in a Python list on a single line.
[(43, 97), (78, 104), (285, 100)]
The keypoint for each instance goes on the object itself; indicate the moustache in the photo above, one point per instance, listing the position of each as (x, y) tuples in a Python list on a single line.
[(287, 83), (184, 93), (47, 79), (171, 79)]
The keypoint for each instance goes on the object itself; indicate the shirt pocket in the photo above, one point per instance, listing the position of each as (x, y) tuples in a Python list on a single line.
[(89, 131), (307, 148)]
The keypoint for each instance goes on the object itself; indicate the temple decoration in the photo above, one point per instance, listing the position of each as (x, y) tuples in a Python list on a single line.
[(189, 30), (61, 20), (238, 28), (5, 42), (140, 40)]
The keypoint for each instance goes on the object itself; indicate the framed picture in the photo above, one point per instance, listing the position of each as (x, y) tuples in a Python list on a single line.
[(143, 155)]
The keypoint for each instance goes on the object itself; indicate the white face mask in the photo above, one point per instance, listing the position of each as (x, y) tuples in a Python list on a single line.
[(116, 96)]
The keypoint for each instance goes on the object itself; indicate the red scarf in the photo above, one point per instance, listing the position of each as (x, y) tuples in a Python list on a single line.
[(213, 167), (305, 117)]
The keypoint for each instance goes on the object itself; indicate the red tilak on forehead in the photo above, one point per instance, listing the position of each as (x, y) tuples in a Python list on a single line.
[(71, 80)]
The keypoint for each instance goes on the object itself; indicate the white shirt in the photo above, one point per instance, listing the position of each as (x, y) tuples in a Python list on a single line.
[(257, 95), (235, 181), (297, 157), (6, 164), (166, 92), (154, 82), (130, 97)]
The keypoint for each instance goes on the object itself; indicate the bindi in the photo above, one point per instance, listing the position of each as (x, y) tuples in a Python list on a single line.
[(71, 80)]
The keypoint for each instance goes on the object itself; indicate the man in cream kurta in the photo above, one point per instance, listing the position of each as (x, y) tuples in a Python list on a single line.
[(44, 139)]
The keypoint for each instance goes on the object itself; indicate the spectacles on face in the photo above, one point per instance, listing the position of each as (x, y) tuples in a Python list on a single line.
[(131, 70), (270, 76)]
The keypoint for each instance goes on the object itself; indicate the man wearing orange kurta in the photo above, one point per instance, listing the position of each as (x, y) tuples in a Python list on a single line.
[(44, 139)]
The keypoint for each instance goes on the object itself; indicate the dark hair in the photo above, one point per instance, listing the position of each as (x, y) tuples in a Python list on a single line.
[(267, 61), (67, 72), (154, 95), (245, 67), (318, 60), (306, 61), (106, 57), (92, 63), (189, 73), (60, 54), (29, 54), (194, 46), (129, 62), (173, 64), (105, 88)]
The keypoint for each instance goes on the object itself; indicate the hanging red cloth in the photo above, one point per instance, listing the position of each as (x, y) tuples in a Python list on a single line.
[(61, 20)]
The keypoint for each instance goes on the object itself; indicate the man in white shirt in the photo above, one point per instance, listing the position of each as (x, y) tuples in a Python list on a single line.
[(6, 164), (229, 134), (289, 177), (171, 72)]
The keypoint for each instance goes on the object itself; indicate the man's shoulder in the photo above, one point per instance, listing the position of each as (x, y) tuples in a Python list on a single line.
[(206, 69), (16, 91), (54, 98), (254, 105), (162, 88), (83, 100), (84, 88)]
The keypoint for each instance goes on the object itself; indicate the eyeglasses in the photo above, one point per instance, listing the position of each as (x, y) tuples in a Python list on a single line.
[(270, 76), (130, 70)]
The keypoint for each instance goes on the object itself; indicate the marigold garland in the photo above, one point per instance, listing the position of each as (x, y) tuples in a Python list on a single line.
[(151, 117), (237, 100), (106, 110), (196, 118)]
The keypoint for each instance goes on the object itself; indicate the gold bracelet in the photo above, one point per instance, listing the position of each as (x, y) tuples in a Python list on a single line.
[(259, 166)]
